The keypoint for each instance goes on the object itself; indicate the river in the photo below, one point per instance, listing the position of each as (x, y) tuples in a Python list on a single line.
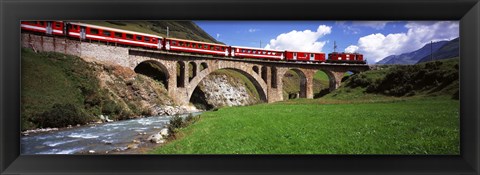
[(98, 138)]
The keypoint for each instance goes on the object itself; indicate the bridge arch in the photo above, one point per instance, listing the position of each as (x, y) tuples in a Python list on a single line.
[(256, 80), (155, 70), (334, 78), (303, 81)]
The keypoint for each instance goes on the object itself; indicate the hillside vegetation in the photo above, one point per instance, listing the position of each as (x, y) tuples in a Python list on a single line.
[(60, 90), (177, 29), (368, 114), (427, 79)]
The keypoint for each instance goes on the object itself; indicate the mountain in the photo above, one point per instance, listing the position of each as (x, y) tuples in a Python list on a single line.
[(177, 29), (413, 57), (449, 50)]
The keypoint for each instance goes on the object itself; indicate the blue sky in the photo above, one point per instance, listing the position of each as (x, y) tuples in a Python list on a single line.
[(375, 39)]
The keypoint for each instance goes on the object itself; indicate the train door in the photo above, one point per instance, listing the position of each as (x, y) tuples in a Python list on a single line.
[(294, 55), (167, 44), (83, 33), (226, 51), (49, 28), (232, 52), (312, 57), (159, 45)]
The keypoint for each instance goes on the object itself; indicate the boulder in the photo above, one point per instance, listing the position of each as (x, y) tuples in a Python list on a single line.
[(156, 138), (164, 132), (132, 146)]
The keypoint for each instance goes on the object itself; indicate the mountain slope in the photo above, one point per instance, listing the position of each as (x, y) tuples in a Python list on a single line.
[(449, 50), (413, 57), (177, 29)]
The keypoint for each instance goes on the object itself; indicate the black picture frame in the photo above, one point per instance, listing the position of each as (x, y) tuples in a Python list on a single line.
[(11, 162)]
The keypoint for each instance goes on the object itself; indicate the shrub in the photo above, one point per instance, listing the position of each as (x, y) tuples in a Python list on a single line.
[(175, 123), (61, 116)]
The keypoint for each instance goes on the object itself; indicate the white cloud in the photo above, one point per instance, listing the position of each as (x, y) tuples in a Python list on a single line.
[(351, 49), (306, 40), (218, 35), (378, 46), (253, 30)]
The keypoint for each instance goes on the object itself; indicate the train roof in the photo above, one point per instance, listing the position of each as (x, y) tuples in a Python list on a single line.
[(345, 53), (304, 51), (254, 48), (177, 39), (115, 30)]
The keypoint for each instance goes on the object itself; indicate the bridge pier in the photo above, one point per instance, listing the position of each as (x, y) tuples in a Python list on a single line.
[(335, 78)]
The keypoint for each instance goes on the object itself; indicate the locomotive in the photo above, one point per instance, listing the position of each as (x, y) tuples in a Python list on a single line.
[(84, 31)]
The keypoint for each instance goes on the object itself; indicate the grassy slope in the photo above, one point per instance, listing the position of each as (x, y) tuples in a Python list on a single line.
[(347, 121), (177, 29), (50, 78)]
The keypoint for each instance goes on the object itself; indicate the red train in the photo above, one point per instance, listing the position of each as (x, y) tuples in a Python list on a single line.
[(343, 57), (84, 31)]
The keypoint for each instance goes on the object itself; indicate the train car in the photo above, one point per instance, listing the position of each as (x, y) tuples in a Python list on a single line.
[(304, 56), (181, 45), (257, 53), (45, 27), (112, 35), (359, 57), (353, 58), (335, 56)]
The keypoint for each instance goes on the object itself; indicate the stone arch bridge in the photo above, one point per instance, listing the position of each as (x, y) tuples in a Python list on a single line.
[(183, 72)]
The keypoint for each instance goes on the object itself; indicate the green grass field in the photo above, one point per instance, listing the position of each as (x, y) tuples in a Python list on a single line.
[(398, 126), (349, 120)]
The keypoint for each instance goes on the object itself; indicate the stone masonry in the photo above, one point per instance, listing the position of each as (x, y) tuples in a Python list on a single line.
[(265, 75)]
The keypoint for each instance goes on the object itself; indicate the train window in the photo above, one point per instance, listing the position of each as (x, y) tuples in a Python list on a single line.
[(312, 55), (174, 43), (93, 31), (273, 53), (129, 36), (194, 45), (118, 35), (32, 22), (269, 53), (147, 39), (106, 33), (249, 51), (57, 24), (211, 47), (217, 48), (264, 52), (41, 23), (139, 38)]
